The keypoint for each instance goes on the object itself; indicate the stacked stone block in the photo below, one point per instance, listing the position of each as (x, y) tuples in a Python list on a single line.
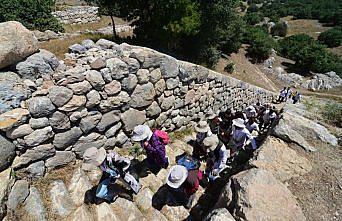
[(77, 15)]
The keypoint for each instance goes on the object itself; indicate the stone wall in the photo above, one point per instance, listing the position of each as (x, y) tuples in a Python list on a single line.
[(77, 14), (101, 91)]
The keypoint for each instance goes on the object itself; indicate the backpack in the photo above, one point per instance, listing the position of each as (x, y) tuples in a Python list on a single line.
[(188, 162), (163, 136)]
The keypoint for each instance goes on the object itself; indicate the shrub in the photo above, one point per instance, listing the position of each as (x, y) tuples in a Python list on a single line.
[(332, 112), (210, 56), (332, 37), (253, 8), (229, 68), (33, 14), (280, 29), (253, 18)]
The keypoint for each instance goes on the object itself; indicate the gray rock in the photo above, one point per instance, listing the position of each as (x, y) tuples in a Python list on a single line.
[(77, 48), (60, 95), (95, 79), (132, 118), (226, 196), (13, 91), (90, 121), (160, 87), (167, 103), (6, 182), (75, 103), (118, 68), (79, 185), (61, 201), (16, 42), (106, 74), (107, 120), (143, 96), (325, 81), (40, 106), (67, 138), (153, 110), (41, 152), (87, 141), (88, 43), (18, 194), (7, 153), (129, 83), (169, 67), (62, 158), (35, 170), (133, 65), (221, 214), (121, 139), (111, 132), (93, 98), (34, 205), (114, 102), (38, 65), (105, 44), (18, 132), (112, 88), (172, 83), (142, 76), (59, 121), (80, 88), (37, 123), (155, 75), (39, 136), (98, 64)]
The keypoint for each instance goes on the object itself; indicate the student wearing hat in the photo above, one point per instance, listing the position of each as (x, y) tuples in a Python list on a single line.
[(154, 147), (111, 164), (240, 136), (203, 131), (214, 122), (218, 155), (184, 183)]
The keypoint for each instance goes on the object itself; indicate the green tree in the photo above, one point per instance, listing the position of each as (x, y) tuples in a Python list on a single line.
[(33, 14), (253, 18), (331, 37), (279, 29)]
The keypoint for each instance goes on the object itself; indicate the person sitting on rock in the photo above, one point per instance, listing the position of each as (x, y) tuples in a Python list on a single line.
[(203, 131), (240, 136), (218, 156), (154, 147), (184, 184), (114, 166)]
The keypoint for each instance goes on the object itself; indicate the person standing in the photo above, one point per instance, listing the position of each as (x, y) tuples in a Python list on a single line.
[(282, 95), (203, 131), (297, 97), (240, 136), (154, 147)]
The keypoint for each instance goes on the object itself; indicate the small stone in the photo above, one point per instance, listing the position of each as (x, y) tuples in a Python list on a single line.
[(77, 48), (62, 158), (112, 88), (97, 64), (59, 121), (169, 67), (93, 98), (90, 140), (155, 75), (13, 118), (142, 75), (39, 136), (118, 68), (132, 118), (113, 130), (153, 110), (106, 74), (133, 65), (106, 44), (40, 106), (90, 121), (37, 123), (60, 95), (88, 43), (80, 88), (95, 79), (68, 138), (35, 170), (130, 82), (167, 103), (18, 194), (107, 120), (75, 103), (18, 132), (160, 87), (172, 83), (31, 155)]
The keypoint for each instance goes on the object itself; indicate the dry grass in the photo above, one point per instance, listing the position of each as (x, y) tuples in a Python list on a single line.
[(337, 51), (103, 22), (304, 26)]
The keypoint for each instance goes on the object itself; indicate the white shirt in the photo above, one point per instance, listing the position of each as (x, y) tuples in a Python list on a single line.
[(283, 93), (250, 112), (240, 137), (252, 127), (221, 162)]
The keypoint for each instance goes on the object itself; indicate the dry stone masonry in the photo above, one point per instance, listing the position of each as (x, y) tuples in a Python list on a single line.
[(77, 14)]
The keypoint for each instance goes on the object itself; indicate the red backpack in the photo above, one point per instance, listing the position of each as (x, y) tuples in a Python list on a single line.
[(163, 136)]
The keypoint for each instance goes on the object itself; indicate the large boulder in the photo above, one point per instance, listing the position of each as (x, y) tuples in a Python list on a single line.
[(278, 158), (16, 43), (34, 205), (6, 181), (61, 201), (7, 153), (18, 194), (260, 196), (127, 210), (221, 214), (38, 65), (325, 81), (13, 91), (79, 185)]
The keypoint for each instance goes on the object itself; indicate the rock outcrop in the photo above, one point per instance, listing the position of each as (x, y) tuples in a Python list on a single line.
[(16, 43), (77, 14)]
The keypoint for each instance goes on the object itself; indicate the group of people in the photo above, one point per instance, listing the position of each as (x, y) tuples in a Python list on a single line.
[(288, 93), (218, 141)]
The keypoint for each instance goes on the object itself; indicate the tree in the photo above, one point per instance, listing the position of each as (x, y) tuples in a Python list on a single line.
[(253, 18), (331, 37), (111, 8), (33, 14), (279, 29)]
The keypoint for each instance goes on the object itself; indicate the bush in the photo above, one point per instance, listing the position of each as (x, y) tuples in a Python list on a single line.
[(260, 42), (332, 112), (253, 18), (280, 29), (33, 14), (253, 8), (210, 56), (229, 68), (331, 38)]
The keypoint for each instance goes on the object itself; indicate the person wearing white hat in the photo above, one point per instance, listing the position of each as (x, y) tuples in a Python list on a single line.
[(203, 131), (184, 183), (250, 111), (112, 164), (214, 122), (240, 136), (218, 155), (154, 147)]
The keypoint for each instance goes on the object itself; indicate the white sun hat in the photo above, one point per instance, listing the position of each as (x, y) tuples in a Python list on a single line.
[(239, 123), (176, 176), (202, 127), (141, 132), (93, 158), (211, 142)]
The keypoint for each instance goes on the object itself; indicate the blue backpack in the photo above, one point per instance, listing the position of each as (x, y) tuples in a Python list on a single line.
[(188, 162)]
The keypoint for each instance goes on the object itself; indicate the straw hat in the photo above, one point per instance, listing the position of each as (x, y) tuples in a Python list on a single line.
[(141, 132), (211, 142), (176, 176), (93, 158), (202, 127), (239, 123)]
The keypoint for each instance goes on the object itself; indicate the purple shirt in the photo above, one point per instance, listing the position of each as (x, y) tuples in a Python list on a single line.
[(155, 151)]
